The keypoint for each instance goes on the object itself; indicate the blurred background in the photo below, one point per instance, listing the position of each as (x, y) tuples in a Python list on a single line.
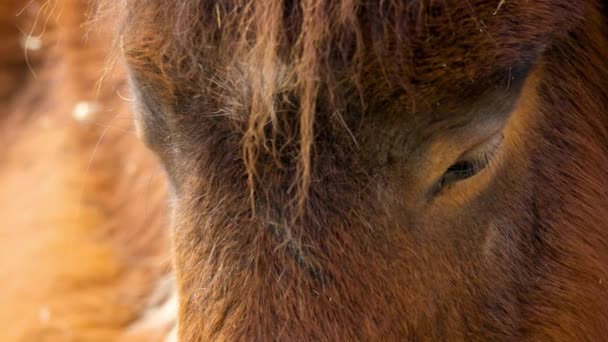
[(84, 249)]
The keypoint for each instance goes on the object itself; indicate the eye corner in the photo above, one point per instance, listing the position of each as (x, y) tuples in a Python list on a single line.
[(469, 165), (458, 171)]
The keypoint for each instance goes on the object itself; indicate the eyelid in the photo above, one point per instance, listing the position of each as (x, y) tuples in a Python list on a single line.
[(477, 158), (485, 150)]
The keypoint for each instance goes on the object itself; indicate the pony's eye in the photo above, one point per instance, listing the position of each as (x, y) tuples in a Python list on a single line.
[(461, 170), (470, 163)]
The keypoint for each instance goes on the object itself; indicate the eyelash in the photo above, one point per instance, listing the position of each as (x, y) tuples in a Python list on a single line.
[(463, 169)]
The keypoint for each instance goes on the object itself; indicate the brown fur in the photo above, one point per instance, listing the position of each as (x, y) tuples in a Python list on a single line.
[(346, 103), (83, 240), (339, 108)]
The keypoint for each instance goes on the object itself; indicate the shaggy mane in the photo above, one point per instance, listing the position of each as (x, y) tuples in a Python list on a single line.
[(312, 41)]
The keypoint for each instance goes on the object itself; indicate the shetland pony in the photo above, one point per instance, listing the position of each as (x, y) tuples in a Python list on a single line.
[(380, 170), (337, 170)]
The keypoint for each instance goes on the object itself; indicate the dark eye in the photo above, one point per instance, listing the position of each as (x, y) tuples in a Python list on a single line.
[(462, 170), (470, 163)]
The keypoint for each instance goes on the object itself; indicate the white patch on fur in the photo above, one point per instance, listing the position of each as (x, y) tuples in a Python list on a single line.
[(84, 110), (172, 337), (161, 312)]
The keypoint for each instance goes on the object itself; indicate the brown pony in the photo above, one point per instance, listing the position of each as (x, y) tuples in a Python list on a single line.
[(380, 170), (339, 170), (83, 243)]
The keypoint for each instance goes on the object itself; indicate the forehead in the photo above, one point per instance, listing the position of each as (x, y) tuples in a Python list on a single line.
[(433, 50)]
